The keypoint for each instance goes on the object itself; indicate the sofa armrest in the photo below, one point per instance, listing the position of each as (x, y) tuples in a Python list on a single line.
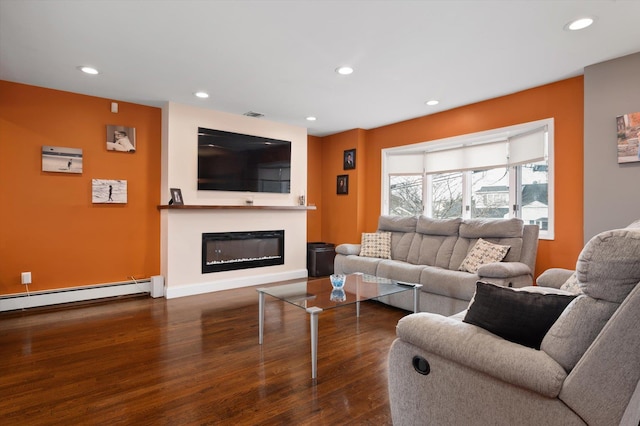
[(503, 270), (554, 277), (483, 351), (348, 249)]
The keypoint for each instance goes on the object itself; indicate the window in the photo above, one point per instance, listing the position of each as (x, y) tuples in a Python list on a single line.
[(446, 195), (496, 174), (405, 195)]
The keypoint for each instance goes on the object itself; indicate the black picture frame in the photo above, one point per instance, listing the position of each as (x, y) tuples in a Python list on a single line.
[(342, 185), (176, 197), (349, 159)]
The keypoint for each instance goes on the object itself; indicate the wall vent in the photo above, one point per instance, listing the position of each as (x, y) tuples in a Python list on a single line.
[(253, 114)]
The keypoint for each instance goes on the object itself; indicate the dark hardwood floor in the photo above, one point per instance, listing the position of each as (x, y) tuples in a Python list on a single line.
[(194, 361)]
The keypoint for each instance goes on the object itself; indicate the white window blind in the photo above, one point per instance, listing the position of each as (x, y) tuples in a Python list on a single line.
[(470, 157), (528, 147), (405, 163)]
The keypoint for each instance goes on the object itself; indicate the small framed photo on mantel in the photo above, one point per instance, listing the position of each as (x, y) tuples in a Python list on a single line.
[(176, 197)]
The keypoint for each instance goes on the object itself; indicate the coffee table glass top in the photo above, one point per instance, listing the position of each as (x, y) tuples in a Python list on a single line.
[(319, 293)]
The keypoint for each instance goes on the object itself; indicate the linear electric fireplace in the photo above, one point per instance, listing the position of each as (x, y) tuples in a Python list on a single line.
[(228, 251)]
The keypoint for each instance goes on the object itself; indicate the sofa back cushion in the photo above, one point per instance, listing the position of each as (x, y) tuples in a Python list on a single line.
[(434, 241), (506, 232), (608, 269), (397, 223), (402, 231)]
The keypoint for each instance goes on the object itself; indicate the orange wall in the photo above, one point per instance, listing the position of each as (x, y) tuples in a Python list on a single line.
[(49, 225), (342, 215), (561, 100)]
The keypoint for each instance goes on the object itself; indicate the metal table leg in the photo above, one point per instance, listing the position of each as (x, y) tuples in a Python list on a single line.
[(260, 315), (416, 297), (313, 312)]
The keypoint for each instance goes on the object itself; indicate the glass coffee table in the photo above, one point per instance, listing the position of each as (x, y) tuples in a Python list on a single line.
[(318, 295)]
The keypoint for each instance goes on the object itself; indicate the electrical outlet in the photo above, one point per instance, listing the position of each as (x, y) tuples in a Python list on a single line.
[(26, 278)]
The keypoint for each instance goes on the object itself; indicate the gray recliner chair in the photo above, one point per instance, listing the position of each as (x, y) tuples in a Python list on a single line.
[(443, 371)]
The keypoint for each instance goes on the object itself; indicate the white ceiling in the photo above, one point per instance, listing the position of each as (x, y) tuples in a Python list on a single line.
[(278, 57)]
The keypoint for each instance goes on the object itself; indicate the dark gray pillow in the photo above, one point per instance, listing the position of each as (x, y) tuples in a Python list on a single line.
[(518, 316)]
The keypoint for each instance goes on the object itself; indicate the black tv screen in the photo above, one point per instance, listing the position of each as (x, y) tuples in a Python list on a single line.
[(235, 162)]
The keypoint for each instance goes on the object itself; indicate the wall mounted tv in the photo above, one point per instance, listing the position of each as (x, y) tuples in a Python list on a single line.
[(235, 162)]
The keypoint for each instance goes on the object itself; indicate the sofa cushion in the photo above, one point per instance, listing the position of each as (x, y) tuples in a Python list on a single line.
[(492, 228), (519, 316), (353, 263), (432, 250), (608, 266), (571, 284), (483, 252), (429, 226), (376, 244), (401, 243), (576, 329), (444, 282), (397, 223), (399, 271)]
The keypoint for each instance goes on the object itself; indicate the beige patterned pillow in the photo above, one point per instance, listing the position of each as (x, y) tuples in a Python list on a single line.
[(571, 284), (483, 252), (376, 244)]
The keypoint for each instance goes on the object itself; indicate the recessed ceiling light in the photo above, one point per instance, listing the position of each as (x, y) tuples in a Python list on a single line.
[(579, 24), (311, 118), (344, 70), (88, 70), (202, 95), (432, 102)]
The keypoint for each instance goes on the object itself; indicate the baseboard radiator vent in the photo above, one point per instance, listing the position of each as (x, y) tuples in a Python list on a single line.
[(154, 286)]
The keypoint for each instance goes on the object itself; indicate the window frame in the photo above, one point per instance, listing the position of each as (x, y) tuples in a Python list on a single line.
[(489, 136)]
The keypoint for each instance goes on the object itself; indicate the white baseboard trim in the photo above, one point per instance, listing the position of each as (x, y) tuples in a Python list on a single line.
[(213, 286), (75, 294)]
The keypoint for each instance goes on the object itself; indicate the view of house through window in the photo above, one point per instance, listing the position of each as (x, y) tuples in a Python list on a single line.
[(515, 188)]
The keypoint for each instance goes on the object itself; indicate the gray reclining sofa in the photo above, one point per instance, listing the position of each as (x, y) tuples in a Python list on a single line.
[(586, 370), (430, 251)]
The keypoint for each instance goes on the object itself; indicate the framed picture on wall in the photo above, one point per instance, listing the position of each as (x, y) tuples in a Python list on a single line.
[(61, 160), (628, 137), (121, 138), (349, 159), (176, 197), (342, 184), (108, 191)]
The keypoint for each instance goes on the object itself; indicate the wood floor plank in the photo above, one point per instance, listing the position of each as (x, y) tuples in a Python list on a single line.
[(193, 361)]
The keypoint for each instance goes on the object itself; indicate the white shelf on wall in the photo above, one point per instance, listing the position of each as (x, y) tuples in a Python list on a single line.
[(248, 207)]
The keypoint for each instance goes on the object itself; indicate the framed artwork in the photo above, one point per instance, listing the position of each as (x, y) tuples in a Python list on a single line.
[(342, 185), (61, 160), (121, 138), (106, 191), (628, 137), (176, 197), (349, 160)]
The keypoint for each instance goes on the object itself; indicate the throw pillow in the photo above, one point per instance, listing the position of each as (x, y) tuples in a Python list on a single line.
[(483, 252), (376, 244), (518, 316), (571, 284)]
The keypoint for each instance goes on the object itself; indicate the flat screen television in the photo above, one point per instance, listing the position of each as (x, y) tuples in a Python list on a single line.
[(230, 161)]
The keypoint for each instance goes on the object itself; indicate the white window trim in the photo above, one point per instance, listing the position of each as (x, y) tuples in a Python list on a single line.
[(479, 138)]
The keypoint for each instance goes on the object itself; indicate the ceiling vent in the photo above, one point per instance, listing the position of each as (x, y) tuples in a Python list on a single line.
[(253, 114)]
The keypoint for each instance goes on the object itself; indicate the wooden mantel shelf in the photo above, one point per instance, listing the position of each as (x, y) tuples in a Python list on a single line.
[(244, 207)]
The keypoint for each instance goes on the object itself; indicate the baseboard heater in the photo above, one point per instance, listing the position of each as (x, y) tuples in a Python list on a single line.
[(154, 286)]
